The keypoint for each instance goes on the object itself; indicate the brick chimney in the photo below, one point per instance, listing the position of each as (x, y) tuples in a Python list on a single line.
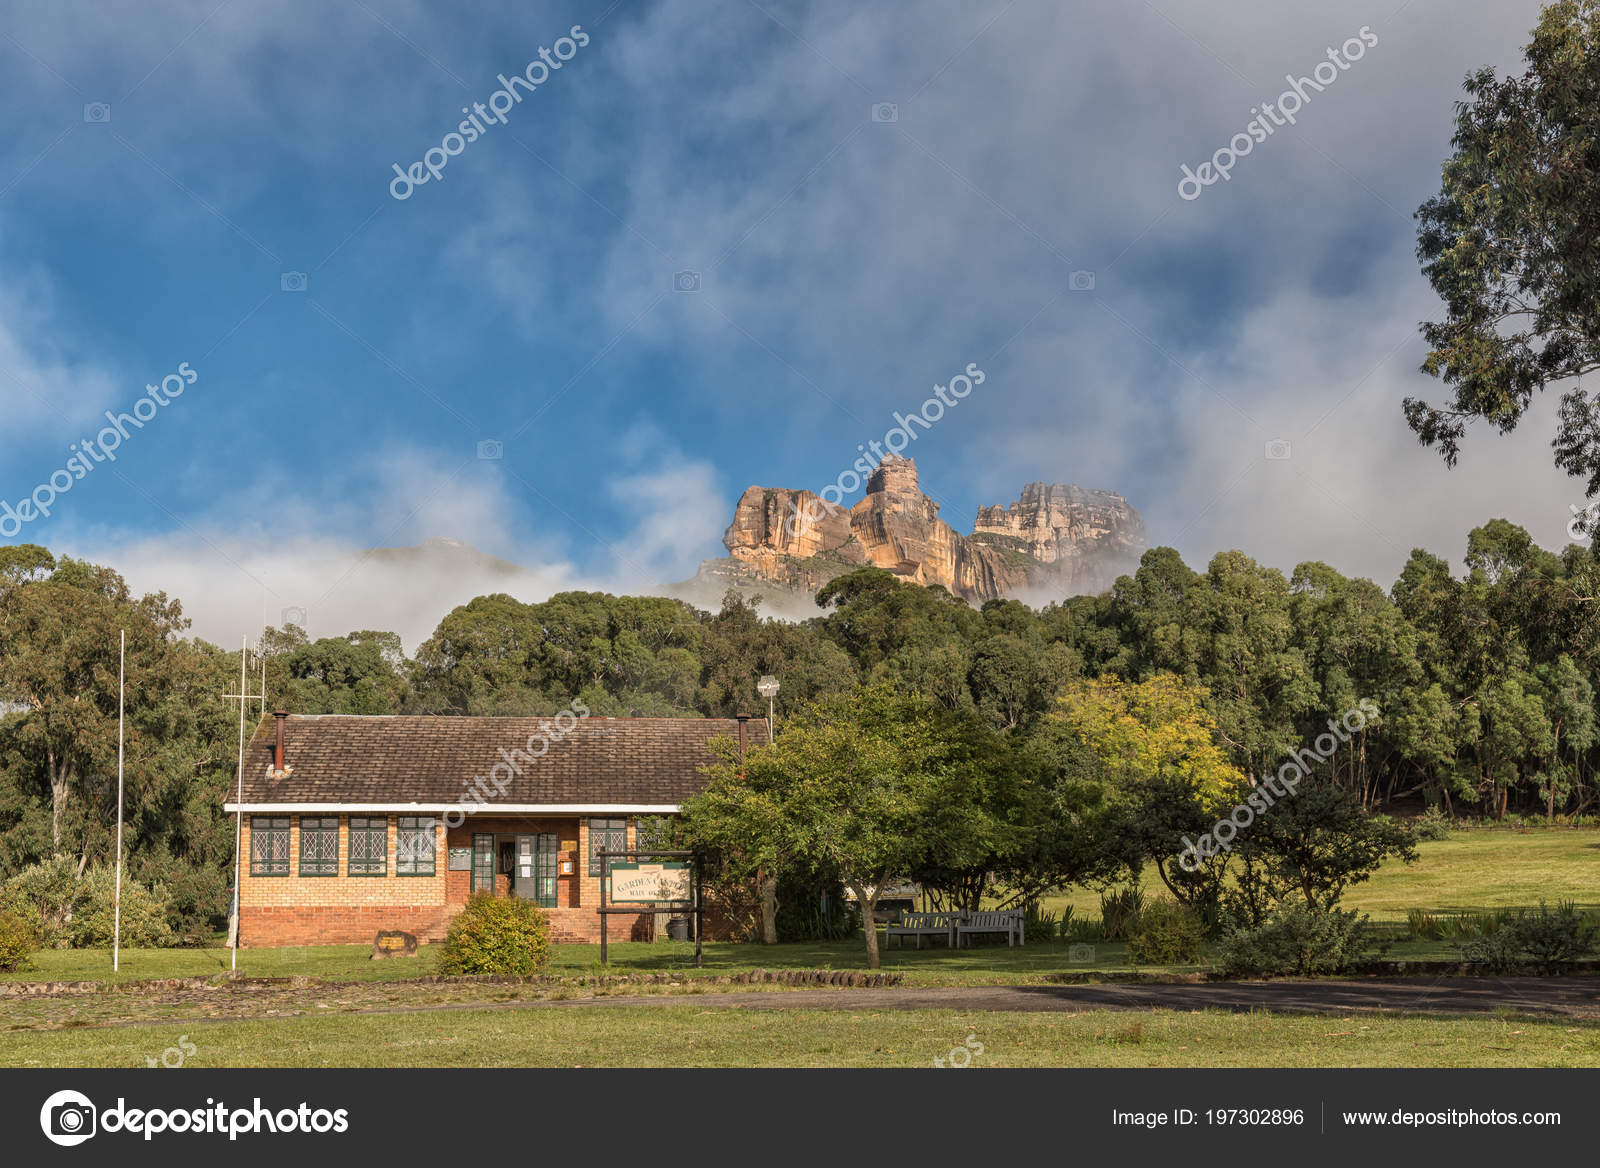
[(279, 717)]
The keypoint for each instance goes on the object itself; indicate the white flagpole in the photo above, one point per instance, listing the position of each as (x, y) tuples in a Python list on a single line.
[(238, 809), (116, 911)]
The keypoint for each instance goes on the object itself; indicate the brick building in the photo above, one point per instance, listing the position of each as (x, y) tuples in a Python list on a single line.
[(356, 823)]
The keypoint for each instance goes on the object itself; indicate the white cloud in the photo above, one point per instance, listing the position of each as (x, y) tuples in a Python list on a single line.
[(445, 533), (44, 384)]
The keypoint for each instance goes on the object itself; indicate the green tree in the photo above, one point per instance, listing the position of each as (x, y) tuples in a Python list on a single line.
[(857, 786), (1512, 243)]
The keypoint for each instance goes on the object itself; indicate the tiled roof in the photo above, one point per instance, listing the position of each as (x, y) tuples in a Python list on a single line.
[(398, 761)]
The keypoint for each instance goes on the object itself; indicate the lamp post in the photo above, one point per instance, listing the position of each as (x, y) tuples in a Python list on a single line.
[(767, 687)]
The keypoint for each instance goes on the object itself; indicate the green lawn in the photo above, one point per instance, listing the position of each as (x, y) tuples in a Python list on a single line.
[(1478, 869), (985, 963), (1470, 870), (701, 1035)]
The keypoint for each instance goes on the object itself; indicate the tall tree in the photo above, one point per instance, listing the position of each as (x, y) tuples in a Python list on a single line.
[(1512, 246)]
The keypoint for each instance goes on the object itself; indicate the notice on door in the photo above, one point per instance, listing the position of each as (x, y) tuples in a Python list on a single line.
[(650, 884)]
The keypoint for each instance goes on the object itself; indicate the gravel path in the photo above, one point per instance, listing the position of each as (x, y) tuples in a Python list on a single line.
[(1575, 998), (1556, 997)]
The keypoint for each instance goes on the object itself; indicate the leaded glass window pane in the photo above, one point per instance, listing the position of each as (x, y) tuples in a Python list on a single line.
[(269, 845)]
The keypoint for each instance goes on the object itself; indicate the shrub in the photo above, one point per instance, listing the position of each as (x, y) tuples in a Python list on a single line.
[(1039, 924), (1119, 913), (18, 943), (1499, 951), (64, 908), (1467, 925), (51, 889), (496, 934), (1293, 940), (1544, 939), (1551, 937), (15, 904), (145, 912), (1432, 824), (1074, 928), (1424, 924), (1168, 933)]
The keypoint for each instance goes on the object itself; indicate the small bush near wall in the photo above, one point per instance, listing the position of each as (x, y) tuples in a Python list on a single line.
[(504, 934)]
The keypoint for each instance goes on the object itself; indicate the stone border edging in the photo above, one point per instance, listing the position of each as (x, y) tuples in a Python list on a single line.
[(861, 979)]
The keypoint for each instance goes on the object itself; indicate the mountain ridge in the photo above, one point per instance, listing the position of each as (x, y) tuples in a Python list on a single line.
[(1055, 540)]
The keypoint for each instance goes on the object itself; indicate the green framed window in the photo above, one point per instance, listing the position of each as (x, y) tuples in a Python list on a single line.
[(545, 868), (536, 868), (319, 845), (483, 862), (269, 845), (369, 846), (415, 849), (610, 834)]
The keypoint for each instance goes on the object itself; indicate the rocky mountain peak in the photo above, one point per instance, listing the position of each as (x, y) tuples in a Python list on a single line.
[(1055, 540)]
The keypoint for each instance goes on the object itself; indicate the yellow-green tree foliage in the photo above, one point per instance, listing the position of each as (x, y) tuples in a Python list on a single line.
[(1154, 729)]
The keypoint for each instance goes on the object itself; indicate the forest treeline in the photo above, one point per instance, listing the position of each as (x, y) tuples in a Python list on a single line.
[(1484, 678)]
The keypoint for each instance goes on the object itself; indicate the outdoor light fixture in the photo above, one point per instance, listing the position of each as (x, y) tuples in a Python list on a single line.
[(767, 687)]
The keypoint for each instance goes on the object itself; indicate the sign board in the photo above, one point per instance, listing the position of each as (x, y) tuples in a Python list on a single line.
[(650, 883), (394, 943), (460, 859)]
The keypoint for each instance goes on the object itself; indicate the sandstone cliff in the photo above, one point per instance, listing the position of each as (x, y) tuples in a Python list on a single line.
[(1054, 541)]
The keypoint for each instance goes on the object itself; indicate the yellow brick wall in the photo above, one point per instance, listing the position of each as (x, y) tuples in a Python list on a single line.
[(295, 890)]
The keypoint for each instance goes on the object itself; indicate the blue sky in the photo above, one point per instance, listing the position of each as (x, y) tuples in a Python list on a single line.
[(846, 263)]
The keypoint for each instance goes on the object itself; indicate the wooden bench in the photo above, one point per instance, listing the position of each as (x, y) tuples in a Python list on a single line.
[(1009, 923), (920, 925)]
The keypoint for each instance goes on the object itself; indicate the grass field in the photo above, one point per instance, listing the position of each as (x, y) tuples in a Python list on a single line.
[(318, 1023), (699, 1035), (1478, 869), (931, 965), (1471, 870)]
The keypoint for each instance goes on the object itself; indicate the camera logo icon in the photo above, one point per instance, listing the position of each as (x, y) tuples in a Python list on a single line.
[(885, 111), (491, 450), (1081, 281), (1080, 954), (292, 281), (68, 1118), (686, 282), (293, 615), (97, 113), (1278, 449)]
